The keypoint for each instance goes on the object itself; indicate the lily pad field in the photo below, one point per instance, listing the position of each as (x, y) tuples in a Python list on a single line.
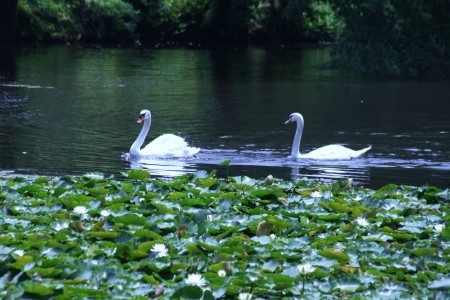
[(198, 236)]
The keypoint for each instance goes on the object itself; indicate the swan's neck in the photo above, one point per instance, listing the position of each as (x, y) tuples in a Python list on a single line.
[(135, 149), (296, 144)]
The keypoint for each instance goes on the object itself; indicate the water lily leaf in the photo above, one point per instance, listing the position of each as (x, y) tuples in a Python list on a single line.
[(347, 286), (332, 217), (164, 209), (270, 265), (46, 272), (130, 219), (75, 292), (146, 246), (137, 254), (137, 174), (31, 188), (103, 234), (340, 207), (265, 228), (38, 289), (402, 237), (225, 163), (440, 284), (24, 259), (266, 194), (329, 240), (228, 195), (337, 254), (187, 293), (207, 182), (176, 195), (96, 192), (446, 234), (424, 251), (281, 281), (145, 233), (41, 180)]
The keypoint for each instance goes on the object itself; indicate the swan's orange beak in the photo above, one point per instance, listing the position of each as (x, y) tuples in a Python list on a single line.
[(141, 118)]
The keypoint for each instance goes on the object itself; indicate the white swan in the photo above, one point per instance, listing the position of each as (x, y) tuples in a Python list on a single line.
[(166, 145), (326, 152)]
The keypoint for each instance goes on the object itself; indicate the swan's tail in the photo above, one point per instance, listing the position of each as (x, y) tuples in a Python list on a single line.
[(362, 151)]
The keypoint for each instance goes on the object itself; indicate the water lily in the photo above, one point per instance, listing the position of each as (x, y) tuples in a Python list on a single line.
[(19, 252), (316, 194), (438, 228), (362, 222), (195, 279), (245, 296), (160, 250), (273, 237), (105, 213), (80, 210), (222, 273), (306, 269)]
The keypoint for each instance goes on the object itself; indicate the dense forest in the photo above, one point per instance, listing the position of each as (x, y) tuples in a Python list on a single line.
[(397, 37)]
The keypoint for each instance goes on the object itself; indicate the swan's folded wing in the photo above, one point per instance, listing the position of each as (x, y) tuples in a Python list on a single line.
[(169, 145)]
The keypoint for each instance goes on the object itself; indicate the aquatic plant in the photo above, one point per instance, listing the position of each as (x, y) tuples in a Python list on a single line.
[(201, 236)]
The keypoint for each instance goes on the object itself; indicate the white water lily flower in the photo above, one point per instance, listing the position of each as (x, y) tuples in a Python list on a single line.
[(195, 279), (439, 228), (160, 250), (273, 237), (316, 194), (222, 273), (245, 296), (80, 210), (362, 222), (19, 252), (105, 213), (306, 269)]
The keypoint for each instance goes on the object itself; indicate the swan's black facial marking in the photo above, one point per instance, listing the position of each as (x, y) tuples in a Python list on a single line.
[(141, 118), (289, 120)]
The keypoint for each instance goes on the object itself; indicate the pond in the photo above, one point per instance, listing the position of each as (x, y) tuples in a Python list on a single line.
[(71, 110)]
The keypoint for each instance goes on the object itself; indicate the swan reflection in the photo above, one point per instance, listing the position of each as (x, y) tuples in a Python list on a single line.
[(163, 168)]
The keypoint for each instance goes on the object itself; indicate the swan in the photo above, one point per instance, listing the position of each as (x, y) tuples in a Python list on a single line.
[(327, 152), (166, 145)]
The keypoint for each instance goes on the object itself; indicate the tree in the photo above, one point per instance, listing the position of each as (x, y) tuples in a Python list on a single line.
[(398, 37)]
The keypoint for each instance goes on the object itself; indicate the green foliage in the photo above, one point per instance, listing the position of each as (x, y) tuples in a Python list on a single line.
[(394, 37), (48, 20), (89, 20), (107, 20), (270, 238), (167, 20)]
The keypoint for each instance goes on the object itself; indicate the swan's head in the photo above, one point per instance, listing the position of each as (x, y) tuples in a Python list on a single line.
[(294, 117), (144, 115)]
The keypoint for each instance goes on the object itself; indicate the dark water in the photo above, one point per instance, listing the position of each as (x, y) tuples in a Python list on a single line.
[(68, 110)]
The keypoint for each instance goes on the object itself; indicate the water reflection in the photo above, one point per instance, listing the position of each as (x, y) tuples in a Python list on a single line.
[(163, 167), (68, 110)]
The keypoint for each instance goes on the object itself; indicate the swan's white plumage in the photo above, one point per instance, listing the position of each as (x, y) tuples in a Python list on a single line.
[(331, 152), (166, 145)]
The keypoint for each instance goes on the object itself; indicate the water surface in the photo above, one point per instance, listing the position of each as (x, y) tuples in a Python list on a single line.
[(70, 110)]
